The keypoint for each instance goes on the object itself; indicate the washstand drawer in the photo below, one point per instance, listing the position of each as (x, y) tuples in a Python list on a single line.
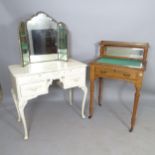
[(115, 72)]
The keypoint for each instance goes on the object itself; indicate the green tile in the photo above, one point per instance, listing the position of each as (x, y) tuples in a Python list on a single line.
[(121, 62), (24, 46)]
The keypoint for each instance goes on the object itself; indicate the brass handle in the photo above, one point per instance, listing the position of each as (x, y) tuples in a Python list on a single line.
[(126, 74), (103, 71), (62, 77)]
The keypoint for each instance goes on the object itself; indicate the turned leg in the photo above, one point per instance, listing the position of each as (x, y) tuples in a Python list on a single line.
[(21, 110), (83, 101), (135, 106), (100, 91), (71, 96), (91, 105)]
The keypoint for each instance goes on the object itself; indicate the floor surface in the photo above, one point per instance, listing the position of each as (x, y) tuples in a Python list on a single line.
[(56, 128)]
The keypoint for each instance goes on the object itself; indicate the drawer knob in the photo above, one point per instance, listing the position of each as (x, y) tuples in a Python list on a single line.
[(140, 74), (48, 80)]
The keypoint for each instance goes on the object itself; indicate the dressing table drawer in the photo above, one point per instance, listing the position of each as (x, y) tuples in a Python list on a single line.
[(30, 78), (33, 89), (76, 72), (73, 82), (74, 77)]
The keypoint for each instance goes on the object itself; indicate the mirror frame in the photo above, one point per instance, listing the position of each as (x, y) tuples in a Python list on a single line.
[(26, 47)]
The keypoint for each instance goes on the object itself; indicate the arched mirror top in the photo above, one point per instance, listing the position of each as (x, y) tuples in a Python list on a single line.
[(41, 20)]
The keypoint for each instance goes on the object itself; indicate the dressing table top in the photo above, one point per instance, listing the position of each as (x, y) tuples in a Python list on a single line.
[(43, 67)]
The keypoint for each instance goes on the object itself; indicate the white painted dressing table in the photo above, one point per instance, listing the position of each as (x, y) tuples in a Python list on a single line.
[(34, 79)]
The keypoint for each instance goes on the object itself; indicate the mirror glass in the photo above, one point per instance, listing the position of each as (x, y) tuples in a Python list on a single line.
[(136, 53), (42, 38)]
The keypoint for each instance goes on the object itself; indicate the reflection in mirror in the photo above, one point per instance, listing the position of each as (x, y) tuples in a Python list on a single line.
[(136, 53), (45, 39)]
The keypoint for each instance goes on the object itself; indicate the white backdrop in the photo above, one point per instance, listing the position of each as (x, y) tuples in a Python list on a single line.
[(88, 22)]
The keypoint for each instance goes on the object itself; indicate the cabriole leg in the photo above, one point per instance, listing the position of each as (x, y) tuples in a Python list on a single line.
[(22, 114), (83, 101), (16, 105)]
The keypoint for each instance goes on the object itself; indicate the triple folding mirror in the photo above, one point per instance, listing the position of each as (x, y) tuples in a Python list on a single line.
[(42, 38)]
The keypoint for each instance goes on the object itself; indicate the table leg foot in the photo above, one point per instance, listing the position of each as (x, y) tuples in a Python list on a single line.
[(26, 138), (90, 117), (83, 116), (131, 129)]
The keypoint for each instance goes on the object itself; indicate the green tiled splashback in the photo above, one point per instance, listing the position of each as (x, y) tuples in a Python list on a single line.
[(121, 62)]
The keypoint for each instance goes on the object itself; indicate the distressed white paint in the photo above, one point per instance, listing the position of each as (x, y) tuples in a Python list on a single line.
[(34, 80)]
